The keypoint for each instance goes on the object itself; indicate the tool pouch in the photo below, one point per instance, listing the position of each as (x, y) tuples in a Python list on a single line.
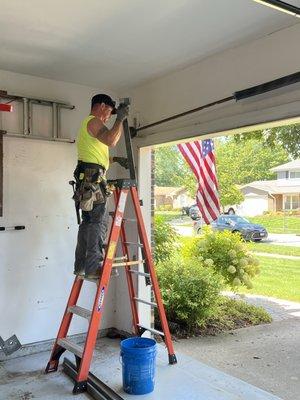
[(90, 188)]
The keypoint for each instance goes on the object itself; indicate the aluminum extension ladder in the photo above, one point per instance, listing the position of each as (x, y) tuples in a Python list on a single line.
[(83, 355)]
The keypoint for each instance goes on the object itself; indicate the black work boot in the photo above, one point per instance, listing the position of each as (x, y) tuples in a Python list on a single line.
[(96, 274), (79, 272)]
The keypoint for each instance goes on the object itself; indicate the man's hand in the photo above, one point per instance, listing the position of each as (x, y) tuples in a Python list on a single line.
[(121, 161), (122, 112)]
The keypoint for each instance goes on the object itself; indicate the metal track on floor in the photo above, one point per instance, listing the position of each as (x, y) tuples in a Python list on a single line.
[(97, 389)]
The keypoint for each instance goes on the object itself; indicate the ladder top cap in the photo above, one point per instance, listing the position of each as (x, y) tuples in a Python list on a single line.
[(122, 183)]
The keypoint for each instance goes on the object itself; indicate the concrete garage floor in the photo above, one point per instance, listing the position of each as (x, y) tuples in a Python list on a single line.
[(23, 379), (267, 356)]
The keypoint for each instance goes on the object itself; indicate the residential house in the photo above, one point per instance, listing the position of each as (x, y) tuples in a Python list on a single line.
[(176, 197), (280, 194)]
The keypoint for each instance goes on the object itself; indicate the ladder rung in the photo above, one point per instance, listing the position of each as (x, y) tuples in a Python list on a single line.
[(154, 331), (149, 303), (82, 312), (123, 258), (94, 280), (134, 244), (128, 263), (133, 271), (112, 213), (72, 347)]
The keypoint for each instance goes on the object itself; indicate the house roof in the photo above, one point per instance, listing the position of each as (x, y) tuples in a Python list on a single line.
[(288, 186), (292, 165), (167, 190)]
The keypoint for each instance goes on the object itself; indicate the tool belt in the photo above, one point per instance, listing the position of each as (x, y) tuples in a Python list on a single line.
[(91, 186)]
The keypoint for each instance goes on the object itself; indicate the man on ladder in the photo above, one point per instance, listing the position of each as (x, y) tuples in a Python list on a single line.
[(91, 191), (93, 142)]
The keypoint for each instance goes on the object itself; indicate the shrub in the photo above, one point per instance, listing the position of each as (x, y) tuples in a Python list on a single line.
[(227, 254), (165, 238), (190, 292), (232, 314), (165, 207)]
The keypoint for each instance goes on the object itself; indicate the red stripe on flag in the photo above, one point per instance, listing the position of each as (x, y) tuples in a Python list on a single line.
[(200, 157)]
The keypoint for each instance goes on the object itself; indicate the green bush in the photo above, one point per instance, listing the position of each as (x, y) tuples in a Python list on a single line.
[(165, 239), (232, 314), (165, 207), (281, 213), (190, 292), (227, 254)]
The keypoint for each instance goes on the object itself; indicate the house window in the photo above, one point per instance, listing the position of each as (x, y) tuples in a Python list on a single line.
[(283, 175), (294, 174), (291, 202)]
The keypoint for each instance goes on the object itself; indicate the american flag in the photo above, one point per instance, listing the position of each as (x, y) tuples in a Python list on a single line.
[(200, 157)]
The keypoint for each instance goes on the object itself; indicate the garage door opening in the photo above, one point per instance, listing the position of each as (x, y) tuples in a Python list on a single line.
[(259, 186)]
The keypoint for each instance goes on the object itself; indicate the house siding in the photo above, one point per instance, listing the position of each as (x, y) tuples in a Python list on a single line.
[(278, 201), (271, 204)]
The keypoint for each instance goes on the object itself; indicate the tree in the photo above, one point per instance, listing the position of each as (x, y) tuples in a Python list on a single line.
[(172, 170), (168, 166), (248, 161), (237, 161), (243, 162), (229, 192), (288, 137)]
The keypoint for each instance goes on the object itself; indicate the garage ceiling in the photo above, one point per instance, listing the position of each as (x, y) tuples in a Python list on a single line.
[(118, 44)]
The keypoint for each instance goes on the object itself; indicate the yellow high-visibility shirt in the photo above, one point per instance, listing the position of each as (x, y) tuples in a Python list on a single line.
[(90, 149)]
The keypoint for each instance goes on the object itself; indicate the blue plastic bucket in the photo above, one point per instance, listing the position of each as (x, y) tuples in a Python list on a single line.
[(138, 365)]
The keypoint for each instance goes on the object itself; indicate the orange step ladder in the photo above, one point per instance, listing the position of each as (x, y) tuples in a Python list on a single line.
[(83, 355)]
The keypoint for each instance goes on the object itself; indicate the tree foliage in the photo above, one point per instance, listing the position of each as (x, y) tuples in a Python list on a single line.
[(238, 161), (172, 170), (248, 161), (287, 137)]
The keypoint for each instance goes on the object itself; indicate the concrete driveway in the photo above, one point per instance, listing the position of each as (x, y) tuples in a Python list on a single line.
[(267, 356), (285, 239)]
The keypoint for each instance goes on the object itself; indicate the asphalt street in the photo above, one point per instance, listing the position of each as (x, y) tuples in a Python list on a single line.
[(284, 239)]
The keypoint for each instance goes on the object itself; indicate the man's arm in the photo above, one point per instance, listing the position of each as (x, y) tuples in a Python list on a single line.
[(98, 130), (123, 161), (110, 137)]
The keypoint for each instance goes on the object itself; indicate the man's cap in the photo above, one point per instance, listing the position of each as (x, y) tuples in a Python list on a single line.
[(104, 98)]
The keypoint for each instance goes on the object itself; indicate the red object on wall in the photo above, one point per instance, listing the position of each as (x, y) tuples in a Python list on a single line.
[(5, 107)]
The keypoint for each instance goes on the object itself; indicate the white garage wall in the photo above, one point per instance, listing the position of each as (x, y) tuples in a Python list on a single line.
[(217, 77), (37, 263)]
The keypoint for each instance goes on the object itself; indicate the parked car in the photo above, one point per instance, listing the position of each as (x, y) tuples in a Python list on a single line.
[(236, 224), (194, 212), (186, 210), (230, 210)]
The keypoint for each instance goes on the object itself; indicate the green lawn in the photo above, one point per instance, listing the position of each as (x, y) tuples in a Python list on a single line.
[(169, 215), (278, 223), (274, 249), (278, 278)]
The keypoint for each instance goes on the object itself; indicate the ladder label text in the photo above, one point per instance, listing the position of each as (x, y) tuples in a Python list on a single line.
[(111, 250), (122, 202), (101, 298)]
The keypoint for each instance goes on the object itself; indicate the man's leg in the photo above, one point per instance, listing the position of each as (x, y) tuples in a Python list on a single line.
[(80, 252), (96, 230)]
